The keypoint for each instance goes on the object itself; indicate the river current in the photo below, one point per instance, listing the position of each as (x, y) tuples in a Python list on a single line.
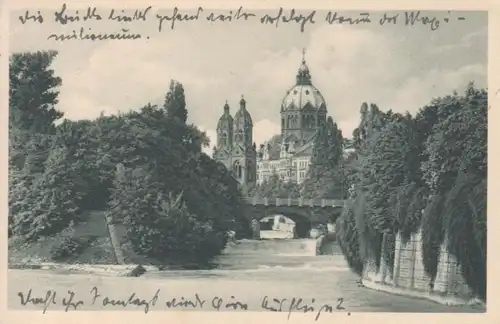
[(269, 259)]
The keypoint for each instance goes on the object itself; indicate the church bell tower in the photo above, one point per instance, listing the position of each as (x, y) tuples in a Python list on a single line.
[(244, 154)]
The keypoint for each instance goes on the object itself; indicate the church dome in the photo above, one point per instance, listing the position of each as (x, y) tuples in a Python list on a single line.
[(226, 120), (303, 95), (242, 118)]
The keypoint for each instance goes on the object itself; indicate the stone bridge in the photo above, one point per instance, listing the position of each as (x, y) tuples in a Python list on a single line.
[(306, 213)]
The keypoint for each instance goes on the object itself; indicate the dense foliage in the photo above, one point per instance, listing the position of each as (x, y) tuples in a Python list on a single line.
[(456, 170), (349, 244), (324, 177), (33, 94), (175, 102), (425, 172), (145, 168), (69, 247), (275, 187)]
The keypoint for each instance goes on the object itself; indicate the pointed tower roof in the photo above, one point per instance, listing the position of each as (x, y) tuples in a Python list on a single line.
[(242, 116), (226, 120)]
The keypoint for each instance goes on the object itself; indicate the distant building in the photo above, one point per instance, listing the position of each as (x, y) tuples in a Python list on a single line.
[(235, 147), (303, 111)]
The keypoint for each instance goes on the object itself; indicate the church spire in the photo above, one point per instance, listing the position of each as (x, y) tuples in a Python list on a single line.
[(242, 102), (303, 75)]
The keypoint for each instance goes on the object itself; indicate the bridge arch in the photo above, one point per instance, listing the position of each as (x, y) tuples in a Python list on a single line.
[(302, 224), (301, 217)]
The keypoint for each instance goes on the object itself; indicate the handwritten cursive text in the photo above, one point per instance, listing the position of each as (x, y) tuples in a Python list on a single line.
[(46, 301), (132, 300), (299, 305)]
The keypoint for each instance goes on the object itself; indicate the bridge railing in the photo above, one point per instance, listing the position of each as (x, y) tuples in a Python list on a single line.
[(295, 202)]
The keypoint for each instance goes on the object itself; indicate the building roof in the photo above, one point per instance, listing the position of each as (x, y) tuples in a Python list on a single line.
[(303, 95), (242, 117), (226, 120)]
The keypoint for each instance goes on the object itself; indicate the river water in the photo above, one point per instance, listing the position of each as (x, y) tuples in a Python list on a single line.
[(262, 275), (289, 268)]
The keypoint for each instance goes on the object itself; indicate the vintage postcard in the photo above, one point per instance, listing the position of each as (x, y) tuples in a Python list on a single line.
[(300, 162)]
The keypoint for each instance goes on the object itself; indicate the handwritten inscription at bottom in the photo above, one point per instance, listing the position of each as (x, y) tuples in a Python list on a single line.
[(133, 300), (299, 305), (71, 301), (50, 299)]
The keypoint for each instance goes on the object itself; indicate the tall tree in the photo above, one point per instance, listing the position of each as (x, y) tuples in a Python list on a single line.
[(327, 154), (328, 147), (33, 91), (456, 171), (435, 163), (33, 94), (376, 147), (175, 102), (54, 199)]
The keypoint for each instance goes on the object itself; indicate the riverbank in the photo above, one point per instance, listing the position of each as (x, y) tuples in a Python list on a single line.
[(97, 269), (440, 299), (37, 257), (97, 252)]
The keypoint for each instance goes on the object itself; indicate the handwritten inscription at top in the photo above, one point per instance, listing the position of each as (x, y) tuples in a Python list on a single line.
[(137, 15), (172, 17)]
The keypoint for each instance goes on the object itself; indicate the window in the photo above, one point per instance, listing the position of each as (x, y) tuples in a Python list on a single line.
[(250, 171), (237, 169)]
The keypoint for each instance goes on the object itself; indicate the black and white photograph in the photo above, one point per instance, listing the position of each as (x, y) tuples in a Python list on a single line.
[(306, 161)]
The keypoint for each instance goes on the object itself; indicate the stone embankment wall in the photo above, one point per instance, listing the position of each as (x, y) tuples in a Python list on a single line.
[(408, 272)]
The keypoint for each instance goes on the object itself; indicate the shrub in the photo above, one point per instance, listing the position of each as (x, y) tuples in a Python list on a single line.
[(158, 226), (68, 248)]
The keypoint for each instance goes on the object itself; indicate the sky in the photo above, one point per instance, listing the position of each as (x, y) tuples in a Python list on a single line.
[(397, 67)]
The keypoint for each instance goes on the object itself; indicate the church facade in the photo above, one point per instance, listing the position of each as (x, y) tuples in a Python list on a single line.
[(235, 147), (303, 111)]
